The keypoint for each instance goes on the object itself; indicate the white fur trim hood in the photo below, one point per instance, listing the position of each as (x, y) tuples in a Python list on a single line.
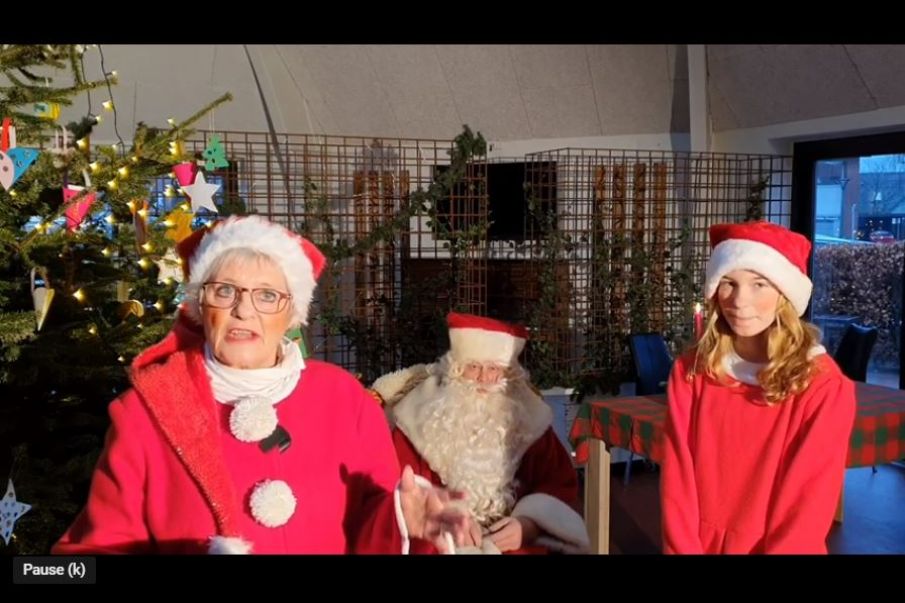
[(563, 530), (392, 387)]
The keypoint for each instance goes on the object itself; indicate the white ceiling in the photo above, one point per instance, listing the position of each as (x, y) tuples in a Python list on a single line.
[(761, 85), (509, 92)]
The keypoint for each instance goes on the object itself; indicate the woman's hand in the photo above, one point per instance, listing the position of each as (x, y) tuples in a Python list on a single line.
[(428, 514)]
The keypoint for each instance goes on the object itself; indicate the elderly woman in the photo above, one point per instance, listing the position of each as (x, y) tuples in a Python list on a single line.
[(230, 442)]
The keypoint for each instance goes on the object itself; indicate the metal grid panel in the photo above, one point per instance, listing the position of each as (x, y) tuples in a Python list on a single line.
[(635, 231), (614, 242), (342, 190)]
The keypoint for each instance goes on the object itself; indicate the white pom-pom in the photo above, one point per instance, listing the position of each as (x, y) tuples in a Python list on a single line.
[(252, 419), (272, 503)]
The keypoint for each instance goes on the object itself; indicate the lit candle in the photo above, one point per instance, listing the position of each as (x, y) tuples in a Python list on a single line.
[(698, 321)]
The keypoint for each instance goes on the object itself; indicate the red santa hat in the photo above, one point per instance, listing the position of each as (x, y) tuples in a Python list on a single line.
[(479, 339), (771, 250), (301, 262)]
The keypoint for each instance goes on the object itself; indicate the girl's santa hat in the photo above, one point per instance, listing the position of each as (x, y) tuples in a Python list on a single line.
[(301, 262), (771, 250), (479, 339)]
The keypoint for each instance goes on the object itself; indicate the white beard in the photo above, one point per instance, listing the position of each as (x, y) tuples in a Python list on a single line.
[(475, 441)]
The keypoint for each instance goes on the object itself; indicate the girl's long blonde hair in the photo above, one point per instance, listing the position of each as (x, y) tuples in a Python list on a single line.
[(789, 369)]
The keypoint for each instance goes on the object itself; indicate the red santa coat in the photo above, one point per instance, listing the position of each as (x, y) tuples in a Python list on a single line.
[(742, 477), (546, 481), (172, 475)]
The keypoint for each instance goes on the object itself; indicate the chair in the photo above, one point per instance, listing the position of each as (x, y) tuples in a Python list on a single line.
[(653, 362), (853, 353)]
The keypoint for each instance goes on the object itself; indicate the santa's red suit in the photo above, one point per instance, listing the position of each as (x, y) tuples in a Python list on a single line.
[(173, 479), (508, 463)]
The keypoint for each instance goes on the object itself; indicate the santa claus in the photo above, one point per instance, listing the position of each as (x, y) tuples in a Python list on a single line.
[(472, 422)]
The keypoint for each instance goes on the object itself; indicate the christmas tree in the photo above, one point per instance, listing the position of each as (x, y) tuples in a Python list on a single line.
[(84, 275)]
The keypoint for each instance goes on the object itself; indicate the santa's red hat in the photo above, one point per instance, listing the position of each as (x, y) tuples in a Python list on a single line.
[(771, 250), (479, 339), (301, 262)]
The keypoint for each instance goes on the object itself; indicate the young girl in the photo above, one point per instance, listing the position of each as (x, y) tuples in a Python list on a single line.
[(759, 415)]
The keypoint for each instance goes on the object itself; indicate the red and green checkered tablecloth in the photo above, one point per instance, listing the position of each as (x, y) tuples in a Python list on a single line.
[(879, 433), (636, 423)]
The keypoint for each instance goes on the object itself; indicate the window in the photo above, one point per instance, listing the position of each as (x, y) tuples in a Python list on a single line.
[(509, 186)]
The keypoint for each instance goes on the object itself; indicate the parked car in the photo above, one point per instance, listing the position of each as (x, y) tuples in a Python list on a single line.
[(882, 236)]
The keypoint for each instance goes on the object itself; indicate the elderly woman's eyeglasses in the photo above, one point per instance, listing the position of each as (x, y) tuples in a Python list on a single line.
[(226, 295)]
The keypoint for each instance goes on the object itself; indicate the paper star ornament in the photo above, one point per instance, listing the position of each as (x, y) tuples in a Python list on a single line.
[(202, 193), (10, 511), (181, 224)]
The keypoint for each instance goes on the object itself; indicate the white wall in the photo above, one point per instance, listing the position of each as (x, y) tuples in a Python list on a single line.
[(776, 139), (655, 142), (779, 138), (157, 82)]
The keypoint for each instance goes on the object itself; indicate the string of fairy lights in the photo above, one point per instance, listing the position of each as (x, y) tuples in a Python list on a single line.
[(110, 79), (139, 209)]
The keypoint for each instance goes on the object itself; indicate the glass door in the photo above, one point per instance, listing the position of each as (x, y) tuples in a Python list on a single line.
[(859, 237)]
